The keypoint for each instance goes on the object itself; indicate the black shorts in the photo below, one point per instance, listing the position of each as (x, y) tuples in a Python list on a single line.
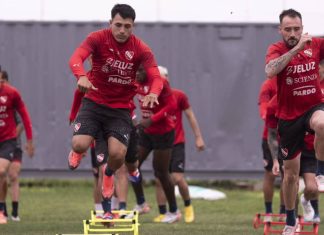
[(17, 155), (151, 142), (177, 163), (99, 154), (267, 157), (7, 149), (308, 162), (131, 155), (94, 117), (292, 133)]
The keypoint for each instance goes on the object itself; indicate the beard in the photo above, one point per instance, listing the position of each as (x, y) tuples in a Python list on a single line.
[(291, 42)]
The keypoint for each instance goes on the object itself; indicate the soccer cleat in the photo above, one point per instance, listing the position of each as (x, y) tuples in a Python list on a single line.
[(289, 230), (308, 210), (171, 217), (15, 218), (159, 218), (298, 227), (3, 218), (74, 159), (316, 219), (109, 216), (189, 215), (141, 209), (107, 184), (267, 218), (320, 183), (134, 176)]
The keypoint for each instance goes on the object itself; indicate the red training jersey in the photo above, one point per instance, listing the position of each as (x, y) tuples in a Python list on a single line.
[(114, 67), (10, 102), (267, 91), (160, 114), (182, 103), (298, 83)]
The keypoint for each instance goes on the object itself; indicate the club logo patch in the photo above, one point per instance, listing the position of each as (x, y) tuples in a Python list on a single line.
[(3, 99), (284, 152), (129, 55), (100, 157), (308, 52), (77, 127)]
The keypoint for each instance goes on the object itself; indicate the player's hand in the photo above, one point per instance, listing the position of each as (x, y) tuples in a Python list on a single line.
[(84, 85), (304, 39), (30, 148), (200, 144), (150, 100), (146, 122), (276, 167)]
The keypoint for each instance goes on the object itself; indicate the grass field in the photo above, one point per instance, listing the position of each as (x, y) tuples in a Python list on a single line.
[(58, 207)]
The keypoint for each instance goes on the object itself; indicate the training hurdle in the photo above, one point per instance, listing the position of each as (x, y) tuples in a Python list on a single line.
[(96, 225), (276, 226)]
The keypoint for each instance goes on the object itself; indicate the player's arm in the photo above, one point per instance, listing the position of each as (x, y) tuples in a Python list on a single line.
[(167, 110), (75, 105), (152, 73), (77, 59), (274, 148), (200, 144), (19, 125), (276, 65), (264, 98), (273, 142), (22, 110)]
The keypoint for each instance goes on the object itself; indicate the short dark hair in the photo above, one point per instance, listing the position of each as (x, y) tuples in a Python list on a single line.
[(4, 75), (124, 10), (291, 13), (321, 63)]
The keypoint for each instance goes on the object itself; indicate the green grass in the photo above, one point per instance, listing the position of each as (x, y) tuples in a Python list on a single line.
[(58, 207)]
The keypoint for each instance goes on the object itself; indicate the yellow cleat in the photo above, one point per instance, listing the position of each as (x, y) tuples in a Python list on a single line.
[(189, 215), (159, 218)]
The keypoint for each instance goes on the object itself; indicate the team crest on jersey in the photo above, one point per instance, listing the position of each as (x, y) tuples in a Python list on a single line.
[(3, 99), (308, 52), (289, 81), (100, 157), (146, 89), (77, 126), (129, 55), (284, 152)]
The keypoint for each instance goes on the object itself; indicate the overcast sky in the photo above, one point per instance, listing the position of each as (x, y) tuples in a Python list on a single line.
[(167, 11)]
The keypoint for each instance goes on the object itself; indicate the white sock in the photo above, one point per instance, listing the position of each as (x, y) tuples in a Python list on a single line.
[(114, 203), (98, 207)]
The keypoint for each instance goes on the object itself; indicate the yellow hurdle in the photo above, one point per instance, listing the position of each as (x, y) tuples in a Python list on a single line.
[(97, 225)]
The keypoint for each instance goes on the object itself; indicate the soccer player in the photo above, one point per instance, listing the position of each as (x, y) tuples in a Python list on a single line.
[(157, 134), (309, 199), (14, 168), (267, 91), (99, 155), (110, 87), (320, 167), (177, 163), (10, 102), (300, 102)]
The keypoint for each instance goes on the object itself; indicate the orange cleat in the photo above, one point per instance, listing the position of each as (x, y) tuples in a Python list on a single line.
[(107, 184)]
